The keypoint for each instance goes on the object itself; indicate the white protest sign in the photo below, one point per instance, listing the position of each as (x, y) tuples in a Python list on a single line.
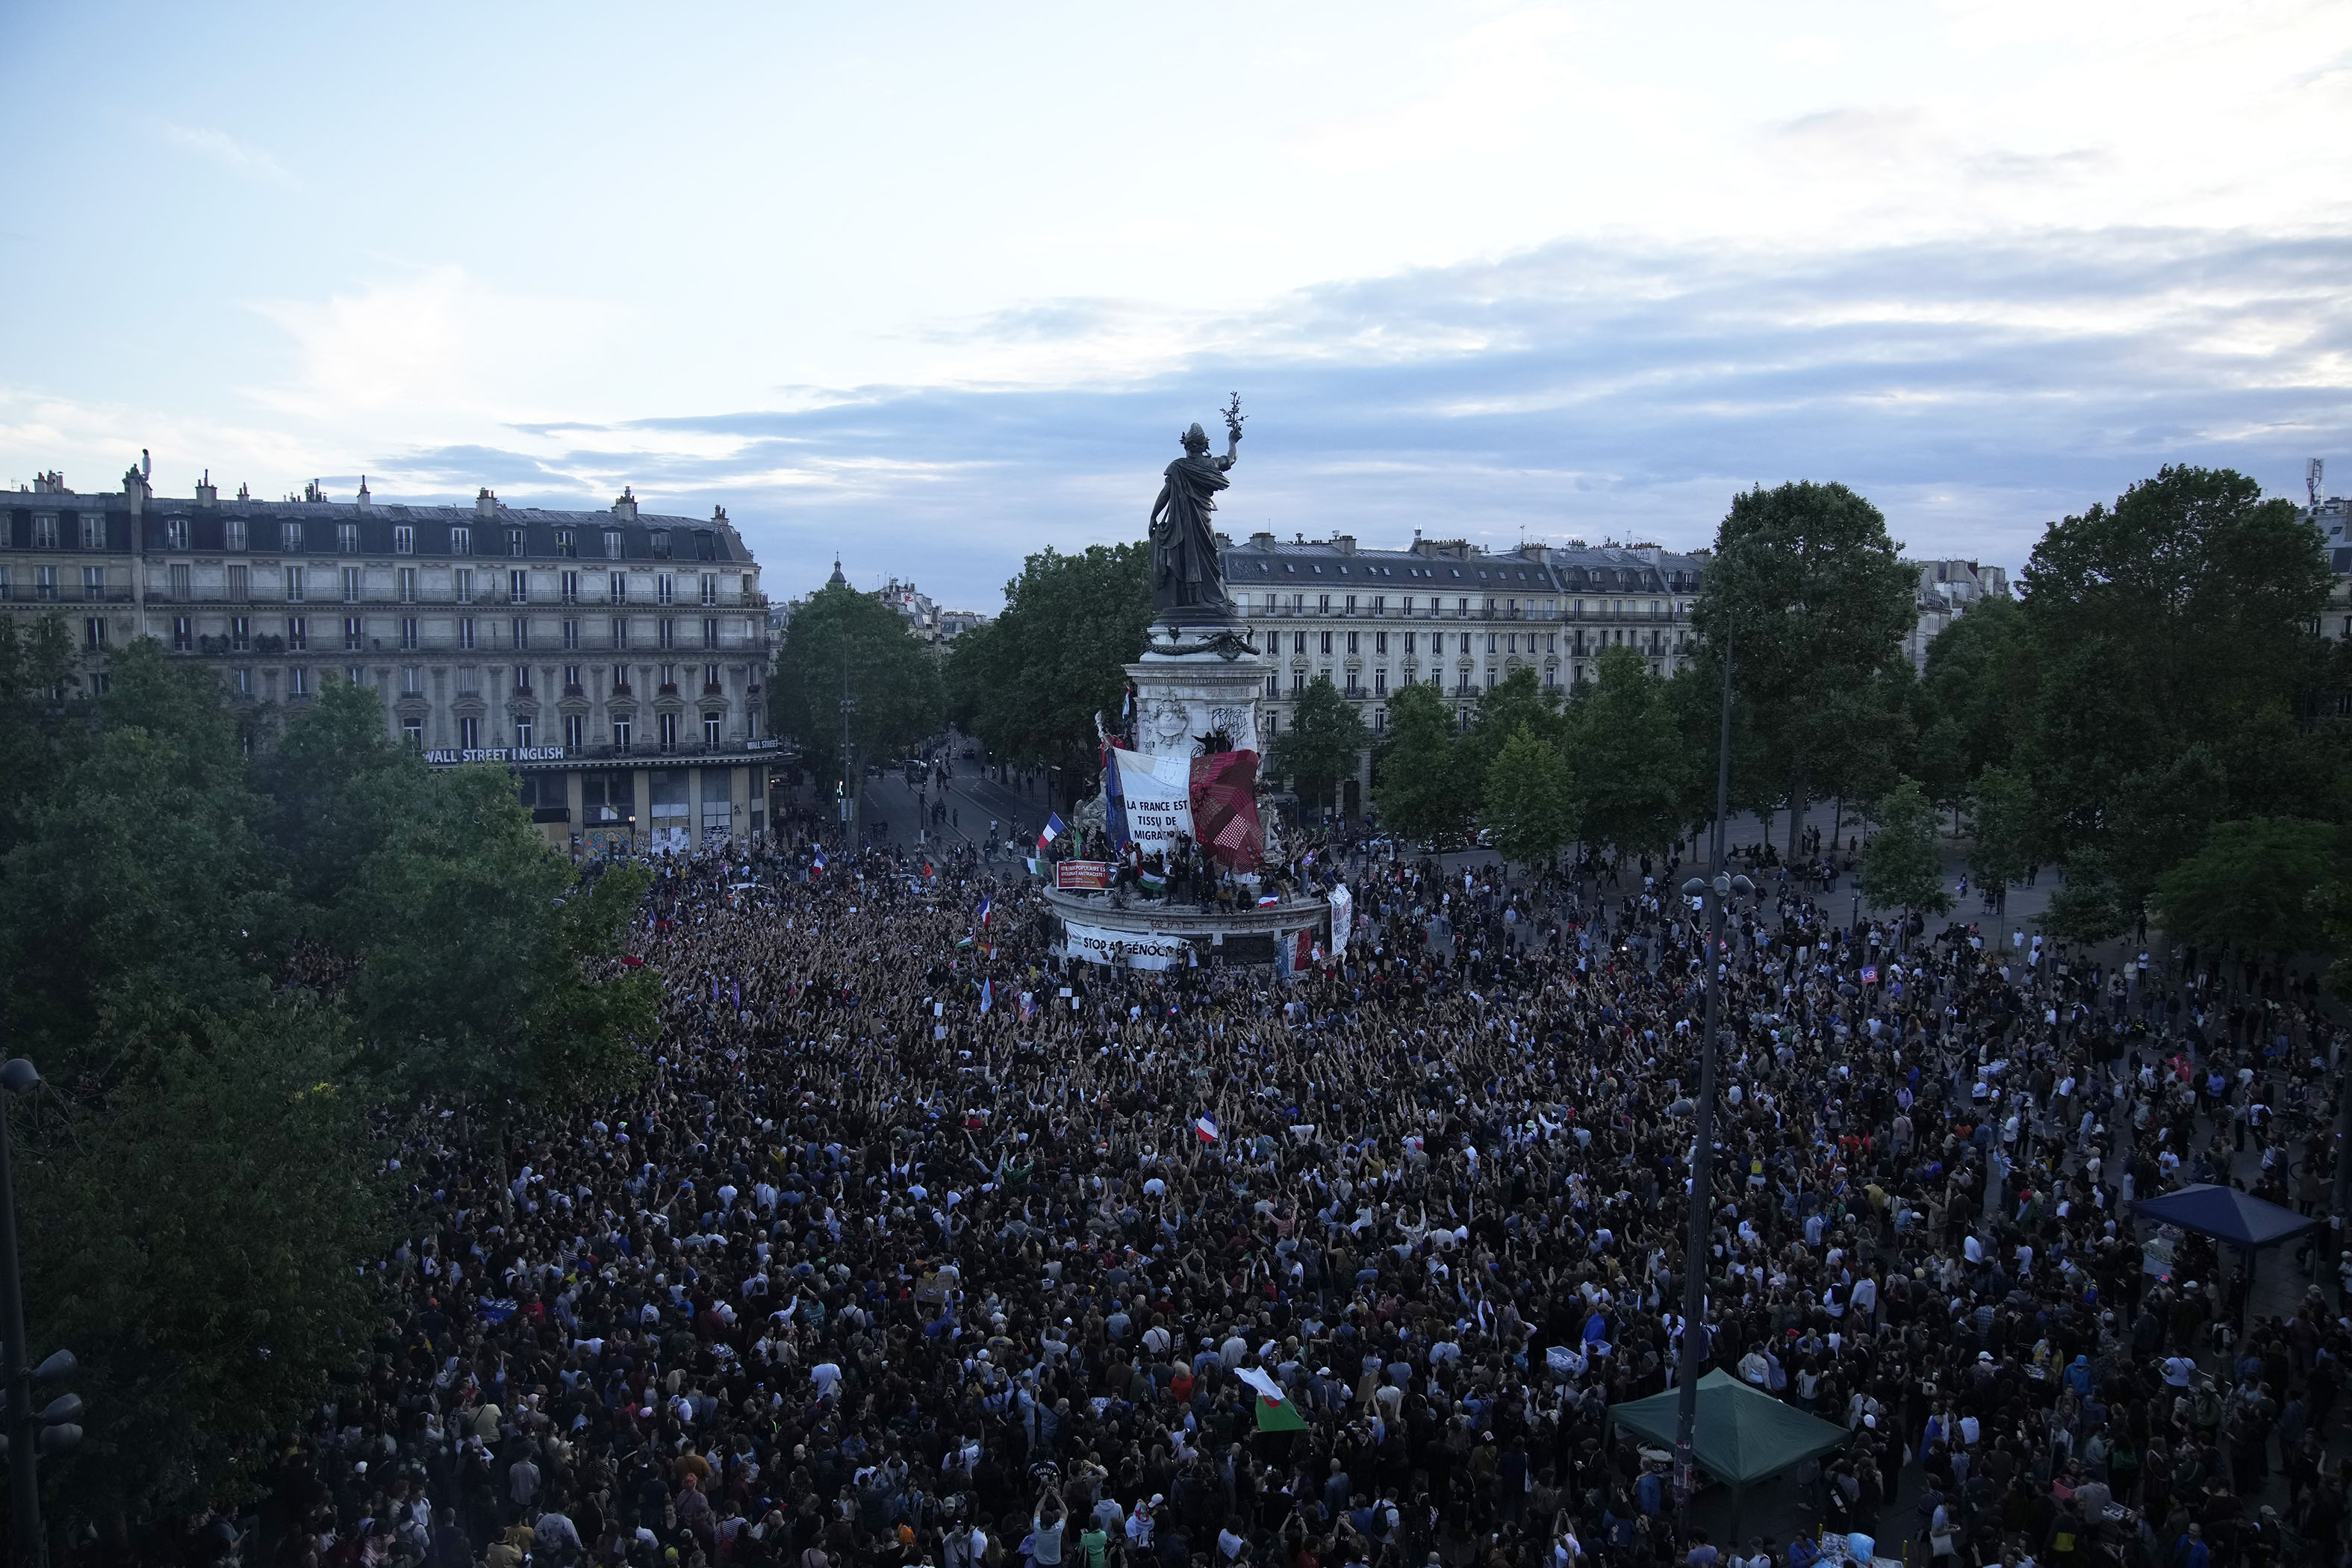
[(1158, 793), (1135, 949)]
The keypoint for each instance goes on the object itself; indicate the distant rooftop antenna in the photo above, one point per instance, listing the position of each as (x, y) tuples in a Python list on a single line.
[(2313, 473)]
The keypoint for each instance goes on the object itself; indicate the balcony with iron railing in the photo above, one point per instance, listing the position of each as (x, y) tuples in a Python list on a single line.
[(62, 594), (488, 643), (1601, 611), (326, 592)]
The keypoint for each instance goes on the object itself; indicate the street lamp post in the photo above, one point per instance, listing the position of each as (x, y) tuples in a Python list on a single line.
[(1717, 889)]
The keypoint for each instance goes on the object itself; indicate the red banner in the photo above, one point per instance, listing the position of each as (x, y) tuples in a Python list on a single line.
[(1082, 875), (1225, 809)]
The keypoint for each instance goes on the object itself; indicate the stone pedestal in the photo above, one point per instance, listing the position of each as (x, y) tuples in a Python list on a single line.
[(1138, 933), (1192, 681), (1196, 680)]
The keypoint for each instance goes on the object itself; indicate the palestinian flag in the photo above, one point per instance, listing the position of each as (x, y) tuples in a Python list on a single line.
[(1276, 1410)]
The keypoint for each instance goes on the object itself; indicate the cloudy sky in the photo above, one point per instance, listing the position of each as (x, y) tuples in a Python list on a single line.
[(934, 286)]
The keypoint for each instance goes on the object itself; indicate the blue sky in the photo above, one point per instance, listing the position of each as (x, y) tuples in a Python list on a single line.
[(936, 285)]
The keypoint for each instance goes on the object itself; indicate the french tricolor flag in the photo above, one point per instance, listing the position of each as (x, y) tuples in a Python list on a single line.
[(986, 906), (1051, 831), (1205, 1128)]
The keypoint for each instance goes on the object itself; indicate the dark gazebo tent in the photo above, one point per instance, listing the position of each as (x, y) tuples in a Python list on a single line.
[(2227, 1215), (1744, 1433)]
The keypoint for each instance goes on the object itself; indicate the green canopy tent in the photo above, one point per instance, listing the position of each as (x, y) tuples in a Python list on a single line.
[(1744, 1433)]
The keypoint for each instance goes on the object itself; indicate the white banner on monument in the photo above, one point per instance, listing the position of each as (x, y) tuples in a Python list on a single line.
[(1133, 949), (1158, 793), (1343, 917)]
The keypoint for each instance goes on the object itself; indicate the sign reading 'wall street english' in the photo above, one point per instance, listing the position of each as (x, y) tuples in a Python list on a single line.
[(497, 754)]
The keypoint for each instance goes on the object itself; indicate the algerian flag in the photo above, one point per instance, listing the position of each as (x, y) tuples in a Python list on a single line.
[(1276, 1413)]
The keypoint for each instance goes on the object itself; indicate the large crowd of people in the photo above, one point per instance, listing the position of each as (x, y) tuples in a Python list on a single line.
[(917, 1247)]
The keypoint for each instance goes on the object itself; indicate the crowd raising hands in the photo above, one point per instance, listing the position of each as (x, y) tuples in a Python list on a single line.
[(915, 1246)]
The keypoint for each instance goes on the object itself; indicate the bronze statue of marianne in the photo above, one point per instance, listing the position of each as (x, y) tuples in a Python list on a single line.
[(1188, 580)]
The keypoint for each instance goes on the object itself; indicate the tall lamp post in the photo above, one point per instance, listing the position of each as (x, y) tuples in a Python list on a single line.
[(1717, 889)]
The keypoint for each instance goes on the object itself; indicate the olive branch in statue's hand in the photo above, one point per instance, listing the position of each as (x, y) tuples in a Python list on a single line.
[(1235, 417)]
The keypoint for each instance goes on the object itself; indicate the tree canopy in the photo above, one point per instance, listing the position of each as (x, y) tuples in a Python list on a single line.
[(2168, 639), (1902, 868), (845, 644), (1419, 771), (1633, 777), (1809, 593), (231, 969), (2256, 886), (1031, 682), (1528, 803), (1322, 744)]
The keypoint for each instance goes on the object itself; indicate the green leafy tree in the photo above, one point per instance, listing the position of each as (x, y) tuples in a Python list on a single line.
[(337, 785), (1323, 744), (2256, 885), (1969, 704), (1514, 703), (2175, 620), (1632, 774), (2000, 820), (198, 1189), (196, 1239), (36, 660), (1417, 777), (480, 966), (1527, 804), (1808, 589), (1900, 865), (135, 893), (845, 643), (1031, 682)]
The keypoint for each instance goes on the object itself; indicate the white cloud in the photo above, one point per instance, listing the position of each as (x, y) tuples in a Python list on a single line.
[(438, 352), (237, 156)]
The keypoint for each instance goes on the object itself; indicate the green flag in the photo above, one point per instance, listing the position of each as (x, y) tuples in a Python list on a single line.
[(1276, 1411), (1279, 1415)]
